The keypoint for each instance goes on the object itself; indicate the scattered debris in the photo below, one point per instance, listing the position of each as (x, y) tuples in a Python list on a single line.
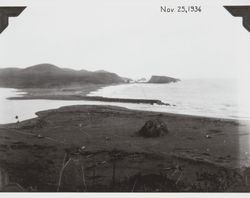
[(40, 136), (107, 138), (83, 147)]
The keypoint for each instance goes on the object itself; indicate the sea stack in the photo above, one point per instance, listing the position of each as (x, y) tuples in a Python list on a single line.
[(162, 79)]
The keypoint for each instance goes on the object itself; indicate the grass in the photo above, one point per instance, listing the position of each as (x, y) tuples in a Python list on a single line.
[(170, 181), (64, 165)]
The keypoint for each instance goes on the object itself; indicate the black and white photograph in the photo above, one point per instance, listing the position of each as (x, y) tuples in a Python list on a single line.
[(124, 96)]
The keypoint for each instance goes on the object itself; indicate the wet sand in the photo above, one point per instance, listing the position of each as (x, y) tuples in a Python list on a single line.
[(82, 90), (101, 151)]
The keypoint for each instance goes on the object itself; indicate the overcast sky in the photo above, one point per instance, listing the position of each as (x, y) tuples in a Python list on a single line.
[(131, 38)]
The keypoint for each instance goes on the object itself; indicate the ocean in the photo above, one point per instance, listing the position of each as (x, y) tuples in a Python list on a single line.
[(210, 98), (220, 98)]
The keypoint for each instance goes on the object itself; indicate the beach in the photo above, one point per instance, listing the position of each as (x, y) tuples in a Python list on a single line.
[(104, 153)]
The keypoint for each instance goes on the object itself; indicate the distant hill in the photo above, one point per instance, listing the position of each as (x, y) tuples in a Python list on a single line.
[(162, 79), (48, 76)]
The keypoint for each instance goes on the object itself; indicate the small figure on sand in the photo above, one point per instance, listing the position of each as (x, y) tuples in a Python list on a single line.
[(17, 118)]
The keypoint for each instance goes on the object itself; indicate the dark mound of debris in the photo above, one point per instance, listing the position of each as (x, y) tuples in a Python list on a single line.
[(153, 128)]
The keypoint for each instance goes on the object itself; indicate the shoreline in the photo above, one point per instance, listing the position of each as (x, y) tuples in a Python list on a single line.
[(68, 93), (193, 143), (78, 93), (89, 98), (201, 117), (75, 93)]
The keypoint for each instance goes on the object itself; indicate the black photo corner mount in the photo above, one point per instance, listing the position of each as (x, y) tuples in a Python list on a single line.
[(241, 11), (6, 12)]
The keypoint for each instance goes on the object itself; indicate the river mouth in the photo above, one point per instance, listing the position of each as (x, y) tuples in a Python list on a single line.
[(18, 110), (18, 106)]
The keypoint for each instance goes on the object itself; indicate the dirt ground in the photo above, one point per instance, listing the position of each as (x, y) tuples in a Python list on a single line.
[(96, 148)]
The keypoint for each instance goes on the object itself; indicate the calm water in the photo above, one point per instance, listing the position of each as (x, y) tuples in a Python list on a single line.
[(220, 98), (26, 109)]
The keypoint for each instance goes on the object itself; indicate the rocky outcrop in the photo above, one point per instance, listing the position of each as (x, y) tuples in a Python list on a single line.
[(162, 79), (141, 80)]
